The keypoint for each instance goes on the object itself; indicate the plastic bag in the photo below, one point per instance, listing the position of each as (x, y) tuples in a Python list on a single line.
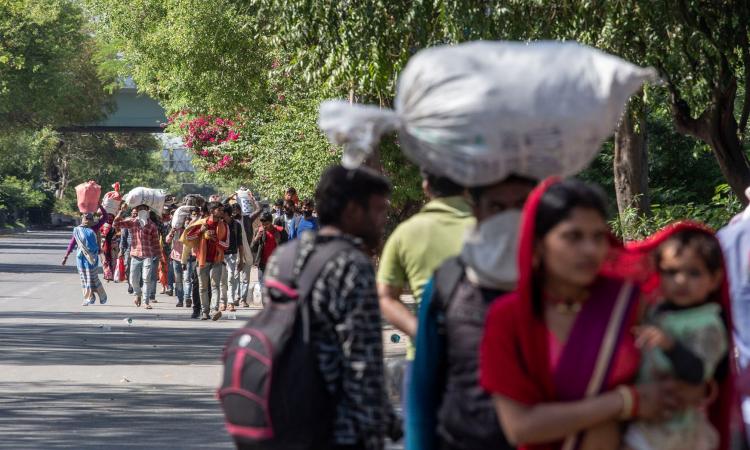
[(480, 111), (243, 198), (112, 199), (153, 198), (180, 215), (88, 195), (120, 269)]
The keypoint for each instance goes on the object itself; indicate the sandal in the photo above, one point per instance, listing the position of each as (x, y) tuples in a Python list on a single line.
[(149, 307), (137, 301)]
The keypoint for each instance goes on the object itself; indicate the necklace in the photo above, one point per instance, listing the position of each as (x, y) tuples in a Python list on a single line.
[(564, 306)]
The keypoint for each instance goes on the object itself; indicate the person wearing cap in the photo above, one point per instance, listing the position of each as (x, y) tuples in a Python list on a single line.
[(87, 258)]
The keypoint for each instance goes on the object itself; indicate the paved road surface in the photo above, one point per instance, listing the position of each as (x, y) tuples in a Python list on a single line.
[(81, 377)]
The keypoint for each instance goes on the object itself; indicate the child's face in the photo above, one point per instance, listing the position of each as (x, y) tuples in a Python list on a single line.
[(685, 279)]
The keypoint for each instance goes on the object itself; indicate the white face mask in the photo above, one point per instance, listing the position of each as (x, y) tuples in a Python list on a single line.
[(143, 216), (490, 251)]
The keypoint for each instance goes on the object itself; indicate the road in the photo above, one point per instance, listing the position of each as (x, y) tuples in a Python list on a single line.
[(81, 377)]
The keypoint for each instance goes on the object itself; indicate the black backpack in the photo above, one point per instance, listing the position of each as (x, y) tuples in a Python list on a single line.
[(272, 392)]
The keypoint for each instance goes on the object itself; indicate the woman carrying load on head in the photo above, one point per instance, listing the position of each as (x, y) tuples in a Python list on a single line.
[(85, 238)]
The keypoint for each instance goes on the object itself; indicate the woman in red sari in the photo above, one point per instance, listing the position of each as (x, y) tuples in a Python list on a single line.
[(558, 354)]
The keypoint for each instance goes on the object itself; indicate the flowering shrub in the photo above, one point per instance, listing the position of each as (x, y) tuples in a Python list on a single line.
[(210, 138)]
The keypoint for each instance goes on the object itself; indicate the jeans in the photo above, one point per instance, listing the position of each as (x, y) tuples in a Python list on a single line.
[(141, 269), (154, 277), (176, 268), (126, 258), (209, 276), (188, 279), (170, 275), (230, 279), (245, 288)]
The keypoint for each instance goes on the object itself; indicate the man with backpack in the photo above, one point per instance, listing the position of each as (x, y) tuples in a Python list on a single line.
[(448, 409), (325, 350)]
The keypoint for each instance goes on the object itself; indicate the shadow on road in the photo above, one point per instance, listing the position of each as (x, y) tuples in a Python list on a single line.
[(87, 416), (79, 343), (32, 246), (38, 268)]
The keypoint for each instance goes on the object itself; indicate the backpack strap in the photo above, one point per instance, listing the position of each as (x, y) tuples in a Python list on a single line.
[(447, 277), (286, 258), (315, 263)]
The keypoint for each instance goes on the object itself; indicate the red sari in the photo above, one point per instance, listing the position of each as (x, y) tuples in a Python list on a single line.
[(517, 358), (109, 260)]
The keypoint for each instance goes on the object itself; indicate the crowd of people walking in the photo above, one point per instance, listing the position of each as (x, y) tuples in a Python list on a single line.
[(536, 327), (201, 252)]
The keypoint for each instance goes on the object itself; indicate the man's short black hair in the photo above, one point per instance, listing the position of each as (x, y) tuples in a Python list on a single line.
[(266, 217), (214, 205), (279, 202), (442, 186), (477, 192), (308, 202), (228, 209), (338, 186)]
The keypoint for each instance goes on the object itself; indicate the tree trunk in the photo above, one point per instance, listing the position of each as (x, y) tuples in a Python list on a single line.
[(717, 127), (728, 149), (631, 161)]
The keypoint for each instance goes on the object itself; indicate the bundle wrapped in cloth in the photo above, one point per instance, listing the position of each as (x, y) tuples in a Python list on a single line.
[(153, 198), (112, 199), (87, 196), (181, 214), (480, 111)]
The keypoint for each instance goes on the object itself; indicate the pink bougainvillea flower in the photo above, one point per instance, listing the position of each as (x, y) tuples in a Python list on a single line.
[(204, 153)]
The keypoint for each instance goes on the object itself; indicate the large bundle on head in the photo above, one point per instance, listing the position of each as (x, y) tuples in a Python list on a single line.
[(480, 111), (194, 200), (180, 215), (87, 195), (153, 198), (112, 199)]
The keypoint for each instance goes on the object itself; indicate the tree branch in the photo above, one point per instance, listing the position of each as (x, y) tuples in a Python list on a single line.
[(745, 47), (683, 117)]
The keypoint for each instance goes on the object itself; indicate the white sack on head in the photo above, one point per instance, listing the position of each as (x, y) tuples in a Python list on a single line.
[(180, 215), (480, 111), (153, 198)]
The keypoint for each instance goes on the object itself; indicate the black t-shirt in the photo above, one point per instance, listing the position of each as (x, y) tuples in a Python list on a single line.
[(234, 237)]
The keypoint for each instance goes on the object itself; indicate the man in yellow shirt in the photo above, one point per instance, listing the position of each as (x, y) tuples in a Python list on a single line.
[(418, 246)]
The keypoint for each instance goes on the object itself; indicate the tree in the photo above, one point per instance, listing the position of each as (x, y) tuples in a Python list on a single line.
[(205, 56), (46, 73), (701, 50)]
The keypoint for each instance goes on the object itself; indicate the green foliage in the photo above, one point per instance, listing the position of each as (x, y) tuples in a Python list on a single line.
[(202, 55), (290, 151), (46, 72), (17, 196), (717, 213)]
